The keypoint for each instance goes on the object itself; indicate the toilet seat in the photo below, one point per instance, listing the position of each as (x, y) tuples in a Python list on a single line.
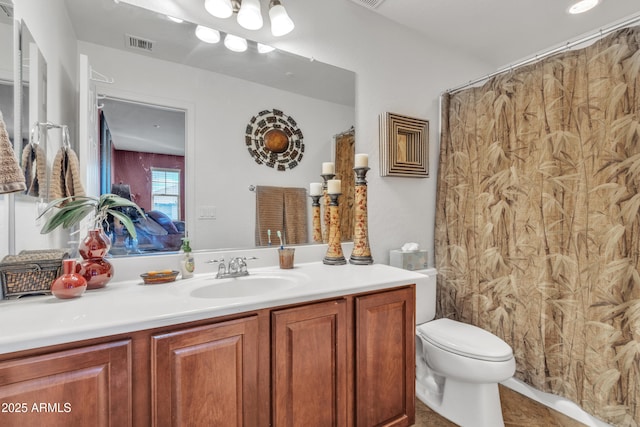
[(465, 340)]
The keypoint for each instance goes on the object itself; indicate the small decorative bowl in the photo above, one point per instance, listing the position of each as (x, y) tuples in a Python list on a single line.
[(157, 277)]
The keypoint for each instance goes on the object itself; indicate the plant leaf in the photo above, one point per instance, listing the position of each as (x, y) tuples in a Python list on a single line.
[(125, 220)]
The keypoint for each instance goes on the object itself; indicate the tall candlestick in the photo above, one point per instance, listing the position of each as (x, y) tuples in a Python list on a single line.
[(361, 161), (315, 207), (361, 253), (328, 168), (334, 254), (325, 231)]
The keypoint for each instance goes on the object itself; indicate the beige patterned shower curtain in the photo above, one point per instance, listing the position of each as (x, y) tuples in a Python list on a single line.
[(538, 221)]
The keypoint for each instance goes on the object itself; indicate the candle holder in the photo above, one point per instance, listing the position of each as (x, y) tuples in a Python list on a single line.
[(361, 254), (325, 231), (317, 225), (334, 254)]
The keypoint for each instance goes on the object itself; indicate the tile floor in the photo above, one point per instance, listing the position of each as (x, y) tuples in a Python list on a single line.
[(517, 411)]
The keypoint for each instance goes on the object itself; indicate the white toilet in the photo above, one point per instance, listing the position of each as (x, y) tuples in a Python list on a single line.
[(458, 366)]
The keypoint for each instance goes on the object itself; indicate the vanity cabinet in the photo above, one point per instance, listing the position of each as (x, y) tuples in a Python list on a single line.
[(310, 365), (206, 375), (342, 361), (385, 358), (84, 386)]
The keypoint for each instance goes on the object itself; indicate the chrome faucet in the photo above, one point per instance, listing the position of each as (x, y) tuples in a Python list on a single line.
[(237, 267)]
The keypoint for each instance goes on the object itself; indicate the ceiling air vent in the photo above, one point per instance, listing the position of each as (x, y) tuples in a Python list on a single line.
[(370, 4), (134, 42)]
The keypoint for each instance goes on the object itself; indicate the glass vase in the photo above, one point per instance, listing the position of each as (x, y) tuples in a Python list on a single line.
[(94, 267), (69, 284)]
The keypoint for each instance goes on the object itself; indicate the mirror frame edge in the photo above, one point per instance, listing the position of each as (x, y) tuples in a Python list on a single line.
[(17, 126)]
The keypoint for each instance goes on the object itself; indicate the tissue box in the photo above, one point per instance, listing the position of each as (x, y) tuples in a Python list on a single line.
[(409, 260)]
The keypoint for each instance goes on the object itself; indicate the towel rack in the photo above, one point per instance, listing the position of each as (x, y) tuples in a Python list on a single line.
[(99, 77), (37, 127)]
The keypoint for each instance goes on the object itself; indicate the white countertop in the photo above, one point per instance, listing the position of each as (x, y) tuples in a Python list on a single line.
[(129, 305)]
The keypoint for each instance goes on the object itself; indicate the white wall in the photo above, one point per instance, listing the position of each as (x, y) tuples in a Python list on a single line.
[(52, 31), (397, 71), (219, 108)]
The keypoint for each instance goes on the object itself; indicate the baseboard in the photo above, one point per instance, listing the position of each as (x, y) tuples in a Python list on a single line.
[(557, 403)]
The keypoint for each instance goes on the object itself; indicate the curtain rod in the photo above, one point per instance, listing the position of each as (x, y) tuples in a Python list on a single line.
[(568, 45)]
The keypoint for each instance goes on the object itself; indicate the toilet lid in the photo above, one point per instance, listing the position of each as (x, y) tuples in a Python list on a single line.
[(465, 340)]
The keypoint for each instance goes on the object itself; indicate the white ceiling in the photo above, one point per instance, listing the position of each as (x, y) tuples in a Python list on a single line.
[(501, 32)]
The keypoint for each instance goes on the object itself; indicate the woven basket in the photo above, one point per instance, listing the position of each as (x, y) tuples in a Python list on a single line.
[(30, 272)]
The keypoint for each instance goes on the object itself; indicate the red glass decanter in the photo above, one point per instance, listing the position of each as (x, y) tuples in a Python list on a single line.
[(94, 267), (70, 284)]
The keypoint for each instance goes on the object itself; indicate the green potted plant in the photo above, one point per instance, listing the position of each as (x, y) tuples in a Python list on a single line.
[(95, 246), (72, 210)]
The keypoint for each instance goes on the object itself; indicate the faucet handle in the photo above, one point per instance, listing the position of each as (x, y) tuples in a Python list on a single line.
[(211, 261)]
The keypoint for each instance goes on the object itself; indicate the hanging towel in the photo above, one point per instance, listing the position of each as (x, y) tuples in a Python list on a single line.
[(65, 175), (269, 214), (284, 209), (34, 165), (295, 215), (11, 177)]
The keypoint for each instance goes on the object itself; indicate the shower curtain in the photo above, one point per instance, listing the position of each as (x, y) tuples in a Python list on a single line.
[(538, 221)]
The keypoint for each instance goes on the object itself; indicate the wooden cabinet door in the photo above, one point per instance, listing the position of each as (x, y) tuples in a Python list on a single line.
[(88, 386), (309, 365), (385, 358), (206, 375)]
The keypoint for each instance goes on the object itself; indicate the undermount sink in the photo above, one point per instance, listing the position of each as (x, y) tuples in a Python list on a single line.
[(245, 286)]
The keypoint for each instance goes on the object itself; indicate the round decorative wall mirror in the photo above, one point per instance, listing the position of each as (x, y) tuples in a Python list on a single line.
[(273, 139)]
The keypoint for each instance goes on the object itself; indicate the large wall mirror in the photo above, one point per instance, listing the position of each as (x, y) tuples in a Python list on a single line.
[(141, 58)]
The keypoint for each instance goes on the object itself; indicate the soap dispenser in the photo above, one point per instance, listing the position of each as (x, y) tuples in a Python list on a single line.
[(187, 264)]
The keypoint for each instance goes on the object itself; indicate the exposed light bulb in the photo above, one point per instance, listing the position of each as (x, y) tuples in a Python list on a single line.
[(235, 43), (207, 35), (281, 24), (582, 6), (263, 48), (219, 8), (249, 15)]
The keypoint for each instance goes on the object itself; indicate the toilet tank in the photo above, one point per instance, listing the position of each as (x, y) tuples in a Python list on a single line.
[(426, 295)]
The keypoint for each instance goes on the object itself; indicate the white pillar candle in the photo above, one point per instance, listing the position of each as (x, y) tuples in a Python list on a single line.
[(334, 186), (328, 168), (362, 160), (315, 189)]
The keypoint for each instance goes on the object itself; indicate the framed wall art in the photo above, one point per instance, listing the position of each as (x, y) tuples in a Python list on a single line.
[(273, 139), (404, 146)]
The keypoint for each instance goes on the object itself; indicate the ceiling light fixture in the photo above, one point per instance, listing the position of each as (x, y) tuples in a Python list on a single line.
[(207, 35), (582, 6), (249, 14), (235, 43), (219, 8), (281, 24)]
